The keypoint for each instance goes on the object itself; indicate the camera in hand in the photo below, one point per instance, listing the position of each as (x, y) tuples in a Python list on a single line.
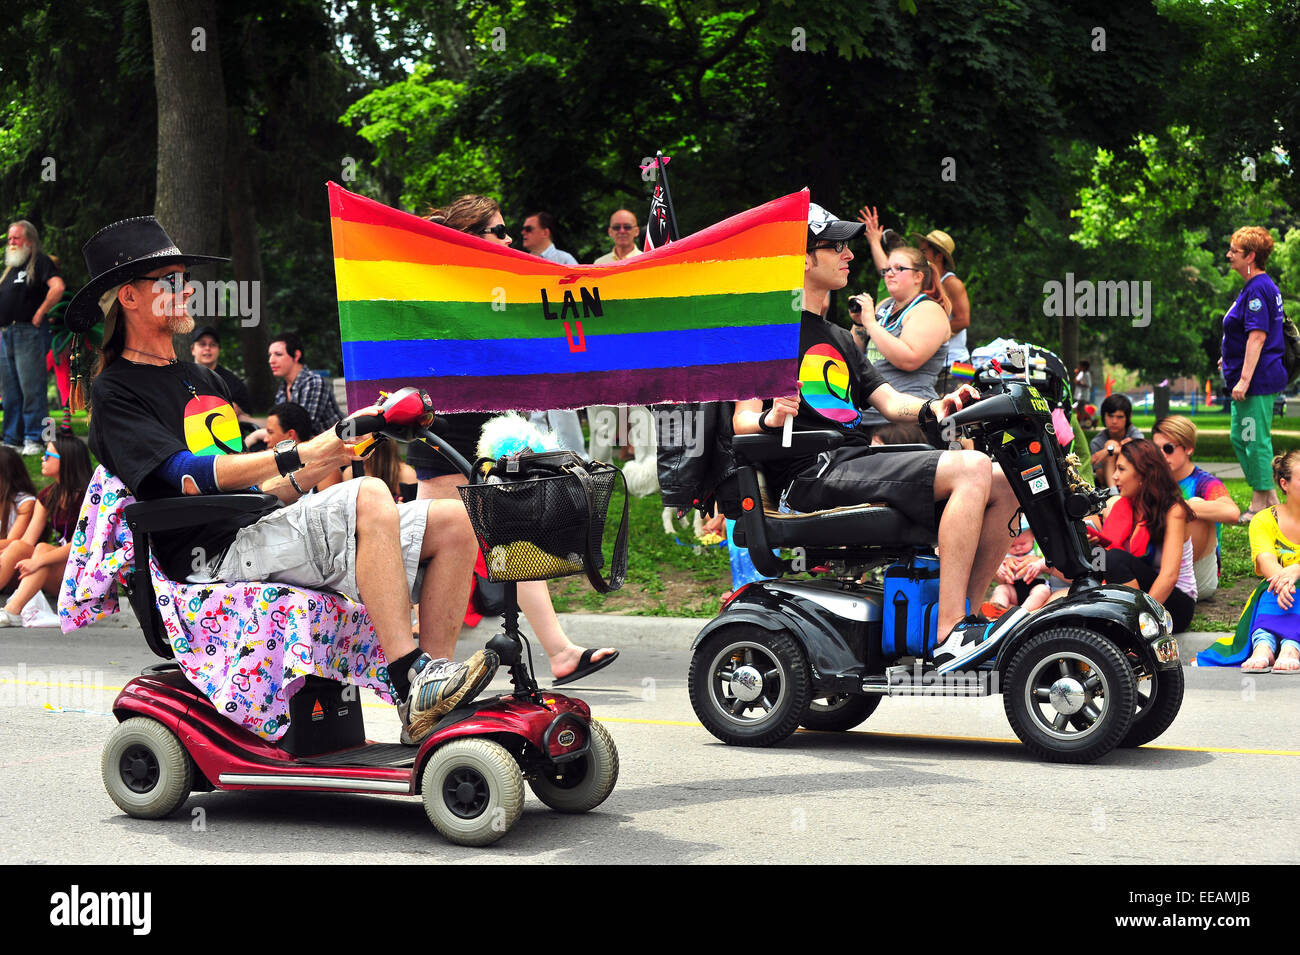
[(855, 307)]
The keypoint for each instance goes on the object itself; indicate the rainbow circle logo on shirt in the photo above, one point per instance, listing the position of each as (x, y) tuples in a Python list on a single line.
[(824, 380), (211, 426)]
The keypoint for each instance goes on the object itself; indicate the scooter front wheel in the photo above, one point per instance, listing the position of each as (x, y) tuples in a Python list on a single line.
[(1069, 695), (750, 686)]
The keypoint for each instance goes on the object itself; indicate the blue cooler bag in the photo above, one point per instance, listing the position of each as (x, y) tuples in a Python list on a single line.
[(911, 607)]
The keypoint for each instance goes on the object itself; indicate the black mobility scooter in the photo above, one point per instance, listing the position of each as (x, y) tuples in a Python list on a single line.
[(1095, 670)]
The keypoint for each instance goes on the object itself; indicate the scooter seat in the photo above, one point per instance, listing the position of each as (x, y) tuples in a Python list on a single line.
[(863, 525)]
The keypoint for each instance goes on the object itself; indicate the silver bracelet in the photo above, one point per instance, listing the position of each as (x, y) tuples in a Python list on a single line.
[(294, 482)]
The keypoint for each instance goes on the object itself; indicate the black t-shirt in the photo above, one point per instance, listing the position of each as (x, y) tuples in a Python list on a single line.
[(237, 389), (835, 383), (140, 415), (24, 288)]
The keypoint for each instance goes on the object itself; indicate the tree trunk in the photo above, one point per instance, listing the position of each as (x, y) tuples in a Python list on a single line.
[(191, 127), (1070, 343), (246, 257)]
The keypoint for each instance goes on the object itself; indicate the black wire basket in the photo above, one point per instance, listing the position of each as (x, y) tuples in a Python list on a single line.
[(540, 528)]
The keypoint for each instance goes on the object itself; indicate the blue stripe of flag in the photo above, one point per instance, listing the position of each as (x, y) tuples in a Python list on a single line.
[(423, 358)]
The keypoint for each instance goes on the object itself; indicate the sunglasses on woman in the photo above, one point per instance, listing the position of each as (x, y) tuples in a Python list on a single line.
[(51, 454), (498, 230), (1167, 448)]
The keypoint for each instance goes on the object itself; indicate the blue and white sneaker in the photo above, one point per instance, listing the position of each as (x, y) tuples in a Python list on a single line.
[(973, 638), (438, 687), (962, 643)]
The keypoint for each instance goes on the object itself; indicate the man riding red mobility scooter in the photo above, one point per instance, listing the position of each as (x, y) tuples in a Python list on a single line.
[(469, 770)]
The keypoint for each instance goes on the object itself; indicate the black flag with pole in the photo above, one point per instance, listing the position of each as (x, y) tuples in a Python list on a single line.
[(661, 227)]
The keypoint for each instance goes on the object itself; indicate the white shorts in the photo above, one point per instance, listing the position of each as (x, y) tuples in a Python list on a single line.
[(312, 543)]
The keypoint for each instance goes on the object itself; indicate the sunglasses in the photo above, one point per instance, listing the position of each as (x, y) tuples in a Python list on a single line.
[(51, 454), (896, 268), (1167, 448), (621, 227), (838, 247), (173, 282), (526, 228), (498, 230)]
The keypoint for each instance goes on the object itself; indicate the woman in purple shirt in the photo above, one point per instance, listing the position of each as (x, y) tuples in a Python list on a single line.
[(1252, 362)]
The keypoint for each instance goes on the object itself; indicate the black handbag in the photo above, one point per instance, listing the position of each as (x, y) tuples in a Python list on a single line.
[(542, 514)]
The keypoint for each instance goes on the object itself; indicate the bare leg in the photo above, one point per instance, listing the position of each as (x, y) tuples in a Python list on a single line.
[(1037, 598), (28, 585), (994, 537), (13, 553), (564, 654), (449, 546), (381, 576), (534, 598), (964, 478)]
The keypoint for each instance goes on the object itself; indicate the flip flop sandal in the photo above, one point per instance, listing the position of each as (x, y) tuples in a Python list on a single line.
[(586, 667), (1246, 518), (1278, 669), (1267, 669)]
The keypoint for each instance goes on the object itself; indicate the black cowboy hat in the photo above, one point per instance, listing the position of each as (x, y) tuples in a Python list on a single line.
[(118, 253)]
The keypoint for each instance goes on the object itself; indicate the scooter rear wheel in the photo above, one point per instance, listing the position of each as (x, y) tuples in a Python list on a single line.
[(1069, 695), (835, 714), (473, 791), (750, 686)]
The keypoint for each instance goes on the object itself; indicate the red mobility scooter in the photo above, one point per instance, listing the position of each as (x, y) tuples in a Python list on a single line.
[(469, 771)]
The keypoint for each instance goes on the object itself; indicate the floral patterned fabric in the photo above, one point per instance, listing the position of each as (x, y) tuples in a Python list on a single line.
[(246, 646)]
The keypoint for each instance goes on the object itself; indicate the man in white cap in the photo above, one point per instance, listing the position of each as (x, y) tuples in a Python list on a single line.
[(834, 383)]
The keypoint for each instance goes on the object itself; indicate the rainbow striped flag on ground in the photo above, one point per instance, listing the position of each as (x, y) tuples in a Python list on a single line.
[(483, 327)]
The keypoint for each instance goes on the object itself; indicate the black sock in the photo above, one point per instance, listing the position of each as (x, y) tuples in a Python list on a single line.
[(398, 670)]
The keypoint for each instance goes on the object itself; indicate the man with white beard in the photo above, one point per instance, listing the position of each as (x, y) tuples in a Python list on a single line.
[(29, 288)]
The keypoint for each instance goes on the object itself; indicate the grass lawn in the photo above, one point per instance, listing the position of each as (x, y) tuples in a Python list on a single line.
[(668, 578)]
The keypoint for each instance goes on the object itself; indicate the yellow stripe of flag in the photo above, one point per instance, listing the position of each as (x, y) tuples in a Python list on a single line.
[(369, 280)]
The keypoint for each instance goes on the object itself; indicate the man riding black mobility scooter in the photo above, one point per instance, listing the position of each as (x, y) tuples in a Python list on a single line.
[(1068, 674)]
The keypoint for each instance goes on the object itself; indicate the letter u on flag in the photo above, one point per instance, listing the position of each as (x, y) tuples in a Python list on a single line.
[(483, 327)]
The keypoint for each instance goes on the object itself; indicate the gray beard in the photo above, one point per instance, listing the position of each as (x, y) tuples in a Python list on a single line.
[(16, 257)]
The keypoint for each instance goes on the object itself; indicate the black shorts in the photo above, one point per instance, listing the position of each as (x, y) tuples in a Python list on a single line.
[(1023, 589), (846, 476), (1121, 567)]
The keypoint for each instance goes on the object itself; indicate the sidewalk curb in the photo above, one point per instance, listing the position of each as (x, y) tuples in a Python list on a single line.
[(677, 633)]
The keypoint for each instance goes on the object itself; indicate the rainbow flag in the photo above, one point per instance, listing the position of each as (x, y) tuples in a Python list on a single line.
[(484, 327), (963, 369)]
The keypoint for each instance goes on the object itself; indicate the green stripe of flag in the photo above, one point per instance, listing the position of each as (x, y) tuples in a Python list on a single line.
[(407, 321)]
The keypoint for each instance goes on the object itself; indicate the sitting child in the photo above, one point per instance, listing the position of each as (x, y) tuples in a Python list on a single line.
[(1275, 641), (1020, 577)]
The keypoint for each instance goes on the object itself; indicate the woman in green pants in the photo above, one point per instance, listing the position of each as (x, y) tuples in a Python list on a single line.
[(1252, 362)]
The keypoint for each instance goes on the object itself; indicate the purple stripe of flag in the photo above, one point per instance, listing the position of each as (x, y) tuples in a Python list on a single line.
[(724, 382)]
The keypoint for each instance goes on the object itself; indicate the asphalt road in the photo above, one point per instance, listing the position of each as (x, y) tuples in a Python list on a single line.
[(922, 781)]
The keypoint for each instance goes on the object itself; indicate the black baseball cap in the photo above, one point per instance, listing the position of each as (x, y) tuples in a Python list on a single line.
[(206, 330)]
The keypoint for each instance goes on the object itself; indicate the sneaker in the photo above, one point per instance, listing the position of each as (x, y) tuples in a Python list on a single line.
[(962, 643), (8, 619), (438, 687), (31, 447)]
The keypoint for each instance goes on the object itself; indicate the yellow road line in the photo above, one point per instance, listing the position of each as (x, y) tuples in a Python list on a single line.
[(978, 739), (623, 719)]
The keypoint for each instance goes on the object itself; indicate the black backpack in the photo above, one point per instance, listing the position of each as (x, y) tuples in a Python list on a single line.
[(694, 452)]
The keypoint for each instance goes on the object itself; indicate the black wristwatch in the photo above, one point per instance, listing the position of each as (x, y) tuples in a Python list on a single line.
[(286, 457), (1110, 449)]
